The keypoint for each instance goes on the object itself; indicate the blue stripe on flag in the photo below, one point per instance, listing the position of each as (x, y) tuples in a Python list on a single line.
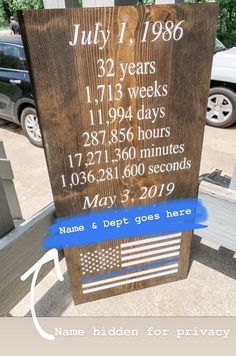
[(113, 273)]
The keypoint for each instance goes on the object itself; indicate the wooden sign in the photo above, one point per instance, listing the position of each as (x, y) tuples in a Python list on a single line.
[(121, 95)]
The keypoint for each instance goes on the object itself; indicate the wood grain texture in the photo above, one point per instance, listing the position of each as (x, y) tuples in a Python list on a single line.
[(6, 221), (5, 169), (20, 250), (6, 176), (60, 73), (220, 204)]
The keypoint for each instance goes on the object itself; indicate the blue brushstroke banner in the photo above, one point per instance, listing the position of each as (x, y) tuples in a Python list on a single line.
[(107, 225)]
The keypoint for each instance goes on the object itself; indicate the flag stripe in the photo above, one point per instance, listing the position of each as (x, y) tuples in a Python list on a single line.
[(127, 270), (149, 253), (152, 239), (149, 259), (135, 274), (155, 275), (137, 249)]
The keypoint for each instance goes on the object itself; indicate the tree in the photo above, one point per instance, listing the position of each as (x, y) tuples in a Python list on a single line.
[(9, 7), (226, 23), (5, 12), (145, 2), (25, 4)]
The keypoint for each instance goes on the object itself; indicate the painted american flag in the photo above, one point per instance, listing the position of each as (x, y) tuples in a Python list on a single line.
[(130, 262)]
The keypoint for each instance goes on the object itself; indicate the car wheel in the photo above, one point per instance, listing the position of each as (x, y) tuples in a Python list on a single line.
[(221, 107), (29, 122)]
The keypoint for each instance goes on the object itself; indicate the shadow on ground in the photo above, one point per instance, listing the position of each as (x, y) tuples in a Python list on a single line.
[(221, 260), (56, 300), (11, 126)]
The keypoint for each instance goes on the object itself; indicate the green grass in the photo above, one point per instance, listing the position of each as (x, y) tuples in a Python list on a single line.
[(4, 27)]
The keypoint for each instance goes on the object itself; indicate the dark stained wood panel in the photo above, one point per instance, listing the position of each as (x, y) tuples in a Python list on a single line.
[(166, 54)]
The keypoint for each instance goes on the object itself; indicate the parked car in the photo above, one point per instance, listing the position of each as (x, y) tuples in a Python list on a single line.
[(221, 108), (17, 104), (16, 99)]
